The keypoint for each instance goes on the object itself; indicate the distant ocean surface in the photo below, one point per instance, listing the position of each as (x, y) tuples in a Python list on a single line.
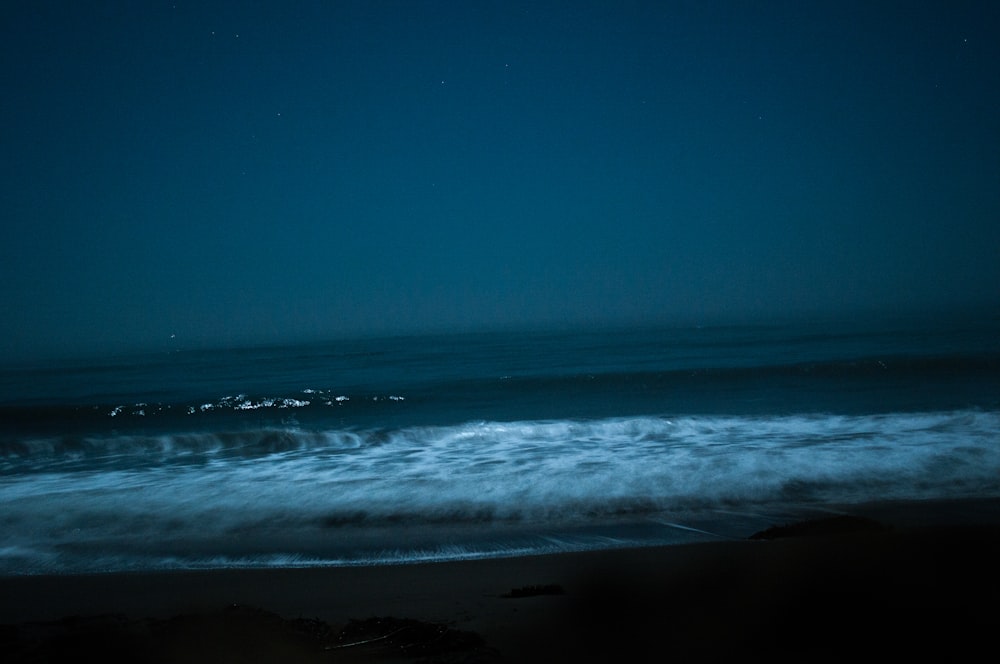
[(472, 445)]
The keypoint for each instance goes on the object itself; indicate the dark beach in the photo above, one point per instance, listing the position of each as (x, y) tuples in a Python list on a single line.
[(892, 580)]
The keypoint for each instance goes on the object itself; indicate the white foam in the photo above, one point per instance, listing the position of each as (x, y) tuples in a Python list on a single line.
[(550, 472)]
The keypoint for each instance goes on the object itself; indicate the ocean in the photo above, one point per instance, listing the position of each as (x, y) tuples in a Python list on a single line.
[(451, 446)]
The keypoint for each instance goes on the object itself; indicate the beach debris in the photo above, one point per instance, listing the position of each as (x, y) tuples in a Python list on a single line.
[(534, 591), (833, 525), (410, 637)]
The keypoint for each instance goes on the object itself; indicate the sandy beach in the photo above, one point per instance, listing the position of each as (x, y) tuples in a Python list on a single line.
[(919, 579)]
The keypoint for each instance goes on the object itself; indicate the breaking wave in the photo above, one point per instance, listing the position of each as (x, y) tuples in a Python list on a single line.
[(313, 490)]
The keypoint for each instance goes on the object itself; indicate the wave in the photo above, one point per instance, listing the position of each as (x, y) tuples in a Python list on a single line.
[(611, 462), (496, 442), (339, 494)]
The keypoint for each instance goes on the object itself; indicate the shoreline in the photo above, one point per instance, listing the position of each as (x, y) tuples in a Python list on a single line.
[(925, 581)]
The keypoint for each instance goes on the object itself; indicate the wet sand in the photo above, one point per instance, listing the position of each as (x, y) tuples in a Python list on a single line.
[(898, 581)]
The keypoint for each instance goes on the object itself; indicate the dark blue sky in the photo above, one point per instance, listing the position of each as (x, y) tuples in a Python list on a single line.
[(233, 172)]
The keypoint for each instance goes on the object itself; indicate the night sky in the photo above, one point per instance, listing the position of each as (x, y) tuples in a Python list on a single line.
[(189, 173)]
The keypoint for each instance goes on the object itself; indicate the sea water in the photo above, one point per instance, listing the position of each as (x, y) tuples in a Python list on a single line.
[(438, 447)]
